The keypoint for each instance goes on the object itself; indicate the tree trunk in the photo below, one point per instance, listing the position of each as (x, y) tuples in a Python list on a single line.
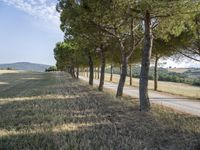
[(111, 72), (146, 56), (77, 72), (98, 72), (156, 74), (91, 69), (68, 70), (103, 64), (87, 72), (72, 72), (83, 71), (123, 74), (120, 68), (130, 74), (95, 73)]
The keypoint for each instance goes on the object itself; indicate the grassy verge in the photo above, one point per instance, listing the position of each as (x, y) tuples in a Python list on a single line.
[(53, 111)]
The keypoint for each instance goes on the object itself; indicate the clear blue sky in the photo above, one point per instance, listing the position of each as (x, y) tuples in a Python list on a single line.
[(29, 30)]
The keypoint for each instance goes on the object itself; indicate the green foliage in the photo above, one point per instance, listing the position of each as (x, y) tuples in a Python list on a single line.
[(91, 23), (192, 76), (118, 27), (68, 54), (196, 82), (51, 68)]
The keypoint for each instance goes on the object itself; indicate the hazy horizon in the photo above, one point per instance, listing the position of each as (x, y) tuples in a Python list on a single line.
[(168, 65)]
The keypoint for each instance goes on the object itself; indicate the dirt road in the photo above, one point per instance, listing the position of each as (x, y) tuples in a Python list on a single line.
[(177, 102)]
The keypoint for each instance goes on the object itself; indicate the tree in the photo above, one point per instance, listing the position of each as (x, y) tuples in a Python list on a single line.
[(51, 68), (171, 46), (192, 48), (98, 24), (125, 29), (60, 56), (76, 23), (169, 14), (68, 57), (161, 49)]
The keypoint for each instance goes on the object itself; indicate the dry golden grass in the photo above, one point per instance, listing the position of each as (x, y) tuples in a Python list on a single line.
[(178, 70), (168, 87), (54, 111), (8, 71)]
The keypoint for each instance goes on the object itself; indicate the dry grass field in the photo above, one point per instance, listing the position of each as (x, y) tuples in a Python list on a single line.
[(178, 70), (8, 71), (163, 86), (53, 111)]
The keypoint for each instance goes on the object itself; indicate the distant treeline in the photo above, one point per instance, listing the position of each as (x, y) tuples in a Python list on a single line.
[(8, 68), (50, 69)]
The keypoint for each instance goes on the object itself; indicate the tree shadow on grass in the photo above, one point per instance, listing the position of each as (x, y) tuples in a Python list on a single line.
[(32, 84), (86, 123), (82, 118), (19, 83)]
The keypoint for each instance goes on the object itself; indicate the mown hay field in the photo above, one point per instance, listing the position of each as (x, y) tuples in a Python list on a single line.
[(54, 111)]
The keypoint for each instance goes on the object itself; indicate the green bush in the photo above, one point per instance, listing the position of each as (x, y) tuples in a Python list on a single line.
[(52, 68), (196, 82)]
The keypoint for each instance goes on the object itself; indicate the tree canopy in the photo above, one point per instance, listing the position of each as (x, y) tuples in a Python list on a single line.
[(122, 32)]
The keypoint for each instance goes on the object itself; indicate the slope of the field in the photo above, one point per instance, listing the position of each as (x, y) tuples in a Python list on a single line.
[(25, 66), (190, 72), (54, 111), (178, 70)]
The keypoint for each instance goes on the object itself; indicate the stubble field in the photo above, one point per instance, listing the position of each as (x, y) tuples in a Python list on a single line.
[(54, 111)]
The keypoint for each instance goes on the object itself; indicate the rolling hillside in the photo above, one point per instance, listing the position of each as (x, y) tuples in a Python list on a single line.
[(191, 72), (25, 66)]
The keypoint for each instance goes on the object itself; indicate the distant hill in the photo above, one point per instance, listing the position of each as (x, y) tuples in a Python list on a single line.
[(25, 66), (178, 70), (190, 72)]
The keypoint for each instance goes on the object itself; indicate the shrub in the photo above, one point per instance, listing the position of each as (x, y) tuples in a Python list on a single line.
[(196, 82), (52, 68)]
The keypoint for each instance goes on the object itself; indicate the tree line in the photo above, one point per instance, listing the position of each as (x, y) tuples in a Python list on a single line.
[(188, 77), (125, 32)]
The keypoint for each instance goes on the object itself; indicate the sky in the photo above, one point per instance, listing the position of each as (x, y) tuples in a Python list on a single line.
[(29, 30)]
